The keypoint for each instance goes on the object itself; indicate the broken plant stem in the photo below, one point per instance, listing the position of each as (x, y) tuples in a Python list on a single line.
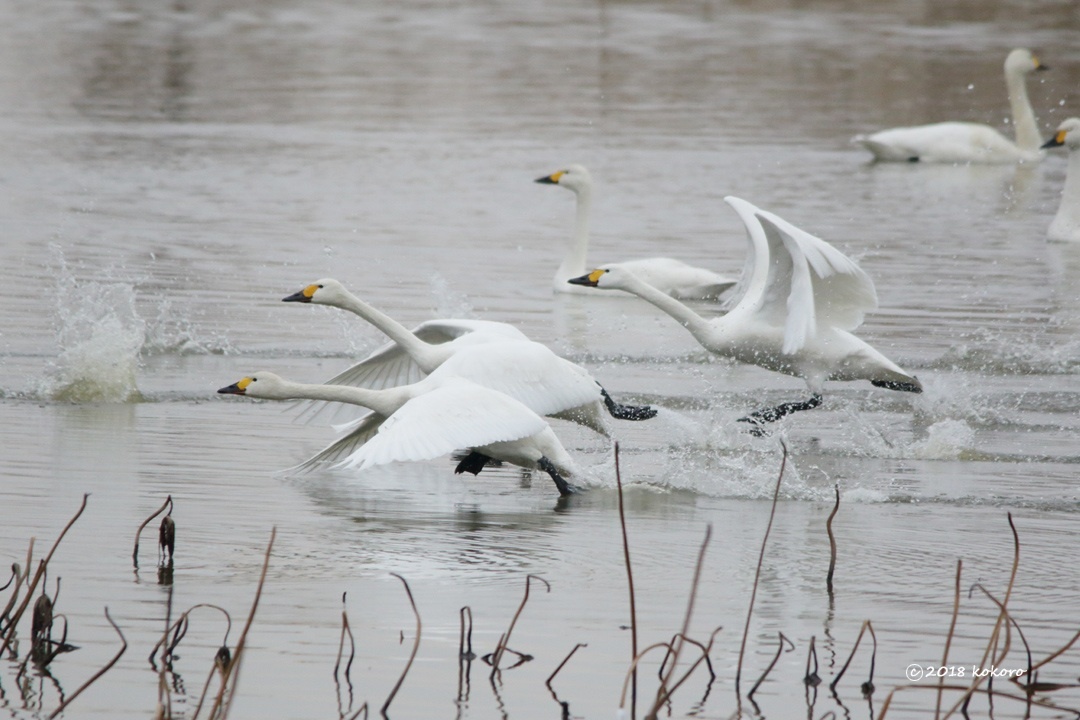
[(99, 673), (757, 572), (412, 655), (138, 533), (505, 640)]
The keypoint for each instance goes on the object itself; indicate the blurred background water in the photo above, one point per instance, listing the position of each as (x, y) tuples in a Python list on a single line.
[(171, 170)]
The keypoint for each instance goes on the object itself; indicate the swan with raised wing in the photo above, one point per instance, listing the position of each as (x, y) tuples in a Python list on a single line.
[(801, 299), (425, 420), (967, 142), (668, 275)]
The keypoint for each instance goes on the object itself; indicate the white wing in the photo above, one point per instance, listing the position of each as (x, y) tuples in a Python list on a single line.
[(751, 285), (526, 371), (821, 283), (361, 431), (458, 414), (390, 366)]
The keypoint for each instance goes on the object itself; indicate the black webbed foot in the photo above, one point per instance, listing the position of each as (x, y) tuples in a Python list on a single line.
[(759, 419), (473, 463), (627, 412), (547, 466)]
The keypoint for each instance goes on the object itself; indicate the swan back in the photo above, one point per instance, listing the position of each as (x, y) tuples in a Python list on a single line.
[(529, 372)]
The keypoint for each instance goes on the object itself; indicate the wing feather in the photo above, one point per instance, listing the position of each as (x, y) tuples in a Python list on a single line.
[(457, 414)]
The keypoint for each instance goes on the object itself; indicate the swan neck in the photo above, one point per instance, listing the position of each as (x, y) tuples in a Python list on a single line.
[(1070, 195), (573, 263), (676, 309), (384, 402), (1023, 116), (427, 356)]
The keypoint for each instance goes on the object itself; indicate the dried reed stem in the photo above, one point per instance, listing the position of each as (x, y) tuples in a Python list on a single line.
[(565, 660), (662, 693), (757, 572), (100, 672), (776, 657), (232, 671), (496, 657), (992, 643), (37, 577), (629, 584), (832, 542), (138, 533), (412, 655), (949, 637), (633, 667), (865, 626), (705, 649)]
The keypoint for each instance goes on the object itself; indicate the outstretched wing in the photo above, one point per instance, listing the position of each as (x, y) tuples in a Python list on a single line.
[(823, 286), (359, 433), (458, 414)]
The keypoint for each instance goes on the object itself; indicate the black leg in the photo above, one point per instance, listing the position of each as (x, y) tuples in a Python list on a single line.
[(547, 466), (474, 462), (758, 419), (914, 387), (627, 412)]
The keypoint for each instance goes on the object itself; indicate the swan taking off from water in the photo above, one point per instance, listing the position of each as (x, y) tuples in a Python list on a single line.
[(965, 142), (1066, 224), (425, 420), (526, 371), (802, 299), (673, 277)]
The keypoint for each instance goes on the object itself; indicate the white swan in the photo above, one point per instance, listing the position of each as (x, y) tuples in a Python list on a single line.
[(1065, 226), (526, 371), (673, 277), (965, 142), (802, 298), (427, 419)]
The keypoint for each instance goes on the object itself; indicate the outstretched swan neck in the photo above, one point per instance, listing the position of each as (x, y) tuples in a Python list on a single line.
[(268, 386), (384, 402), (426, 355), (573, 263), (1023, 116), (697, 325)]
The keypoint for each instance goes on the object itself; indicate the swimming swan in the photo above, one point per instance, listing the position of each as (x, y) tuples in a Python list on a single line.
[(525, 370), (427, 419), (802, 298), (965, 142), (1066, 224), (673, 277)]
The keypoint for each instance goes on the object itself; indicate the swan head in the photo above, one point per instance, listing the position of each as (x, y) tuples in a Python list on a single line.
[(265, 385), (1023, 61), (608, 277), (1068, 134), (572, 177), (321, 292)]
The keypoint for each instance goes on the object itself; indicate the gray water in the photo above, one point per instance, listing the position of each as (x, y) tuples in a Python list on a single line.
[(170, 171)]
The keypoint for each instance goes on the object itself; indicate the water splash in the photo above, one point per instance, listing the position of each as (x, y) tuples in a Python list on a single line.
[(449, 303), (100, 336)]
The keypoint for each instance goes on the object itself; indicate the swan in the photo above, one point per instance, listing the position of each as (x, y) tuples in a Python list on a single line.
[(525, 370), (427, 419), (1066, 223), (674, 277), (965, 142), (802, 299)]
